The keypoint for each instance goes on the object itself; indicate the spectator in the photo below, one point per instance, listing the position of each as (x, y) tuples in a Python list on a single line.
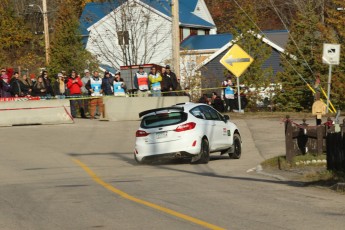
[(4, 76), (204, 99), (229, 95), (95, 90), (107, 84), (179, 88), (84, 91), (120, 87), (155, 79), (39, 88), (28, 84), (47, 83), (217, 102), (187, 93), (74, 85), (60, 86), (5, 89), (141, 82), (169, 82), (18, 89)]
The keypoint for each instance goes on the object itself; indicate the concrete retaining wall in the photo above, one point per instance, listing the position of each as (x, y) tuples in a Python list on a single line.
[(128, 108), (35, 112)]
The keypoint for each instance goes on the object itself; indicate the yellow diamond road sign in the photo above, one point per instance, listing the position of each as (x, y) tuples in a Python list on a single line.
[(236, 60)]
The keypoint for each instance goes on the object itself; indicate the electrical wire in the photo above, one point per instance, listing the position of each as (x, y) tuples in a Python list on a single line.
[(290, 35), (303, 79)]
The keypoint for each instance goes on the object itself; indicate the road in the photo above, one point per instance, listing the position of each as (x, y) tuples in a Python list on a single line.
[(83, 176)]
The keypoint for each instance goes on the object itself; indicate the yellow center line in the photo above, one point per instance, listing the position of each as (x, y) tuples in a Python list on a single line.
[(143, 202)]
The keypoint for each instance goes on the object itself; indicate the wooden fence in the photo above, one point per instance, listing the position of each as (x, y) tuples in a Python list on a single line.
[(303, 138)]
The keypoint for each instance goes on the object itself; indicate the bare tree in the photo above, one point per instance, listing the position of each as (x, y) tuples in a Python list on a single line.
[(131, 34)]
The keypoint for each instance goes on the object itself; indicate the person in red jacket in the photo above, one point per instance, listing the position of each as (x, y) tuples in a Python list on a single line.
[(74, 85)]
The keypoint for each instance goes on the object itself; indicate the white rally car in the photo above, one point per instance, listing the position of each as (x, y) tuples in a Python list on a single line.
[(185, 131)]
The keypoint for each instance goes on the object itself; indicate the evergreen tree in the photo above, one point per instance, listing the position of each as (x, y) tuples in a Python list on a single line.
[(335, 32), (305, 43), (67, 50), (17, 44), (245, 29)]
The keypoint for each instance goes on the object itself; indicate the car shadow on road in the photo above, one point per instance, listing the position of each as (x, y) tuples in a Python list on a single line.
[(127, 157)]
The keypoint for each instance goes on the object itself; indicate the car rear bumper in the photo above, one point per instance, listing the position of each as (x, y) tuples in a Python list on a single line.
[(165, 156), (168, 150)]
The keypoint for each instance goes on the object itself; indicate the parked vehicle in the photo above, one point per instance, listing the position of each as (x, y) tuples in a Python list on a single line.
[(187, 130)]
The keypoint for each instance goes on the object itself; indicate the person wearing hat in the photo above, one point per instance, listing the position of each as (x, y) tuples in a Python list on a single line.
[(141, 82), (120, 87), (170, 82), (84, 91), (47, 83), (4, 76), (228, 94), (18, 89), (60, 86), (155, 79), (107, 84)]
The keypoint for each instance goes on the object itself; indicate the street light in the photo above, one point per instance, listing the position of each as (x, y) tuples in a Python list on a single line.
[(44, 12)]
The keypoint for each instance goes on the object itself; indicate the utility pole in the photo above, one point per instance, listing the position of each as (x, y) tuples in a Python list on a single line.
[(175, 37), (46, 30)]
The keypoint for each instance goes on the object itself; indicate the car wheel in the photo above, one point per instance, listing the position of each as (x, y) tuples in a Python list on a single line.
[(237, 147), (204, 152), (137, 160)]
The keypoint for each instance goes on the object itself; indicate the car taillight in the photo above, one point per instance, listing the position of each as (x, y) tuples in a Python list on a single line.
[(185, 127), (141, 133)]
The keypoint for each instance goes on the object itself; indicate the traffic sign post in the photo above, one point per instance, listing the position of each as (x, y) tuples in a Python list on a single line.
[(236, 60), (331, 56)]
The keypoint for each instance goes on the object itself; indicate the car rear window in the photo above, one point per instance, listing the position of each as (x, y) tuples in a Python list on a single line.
[(163, 119)]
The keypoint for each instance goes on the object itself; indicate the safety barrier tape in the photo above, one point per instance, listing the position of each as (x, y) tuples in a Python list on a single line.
[(83, 97)]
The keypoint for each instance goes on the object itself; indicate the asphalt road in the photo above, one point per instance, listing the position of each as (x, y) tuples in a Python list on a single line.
[(83, 176)]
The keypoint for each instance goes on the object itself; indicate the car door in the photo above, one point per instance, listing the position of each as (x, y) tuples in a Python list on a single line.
[(218, 128)]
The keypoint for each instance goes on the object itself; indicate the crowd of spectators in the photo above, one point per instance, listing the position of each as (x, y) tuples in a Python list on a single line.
[(86, 91)]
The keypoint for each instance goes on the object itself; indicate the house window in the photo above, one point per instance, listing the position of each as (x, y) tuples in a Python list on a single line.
[(185, 33), (201, 32), (123, 37), (193, 31)]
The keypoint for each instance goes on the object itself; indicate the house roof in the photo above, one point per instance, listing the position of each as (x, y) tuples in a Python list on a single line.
[(93, 12), (203, 42), (277, 36)]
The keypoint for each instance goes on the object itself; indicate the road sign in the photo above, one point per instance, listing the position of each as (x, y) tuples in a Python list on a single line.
[(236, 60), (331, 54)]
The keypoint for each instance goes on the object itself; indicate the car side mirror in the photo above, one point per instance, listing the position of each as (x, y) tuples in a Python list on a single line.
[(226, 117)]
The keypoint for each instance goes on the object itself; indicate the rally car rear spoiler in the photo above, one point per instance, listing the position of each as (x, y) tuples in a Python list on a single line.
[(172, 108)]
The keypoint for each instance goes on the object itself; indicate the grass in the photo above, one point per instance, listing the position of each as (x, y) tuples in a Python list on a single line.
[(312, 174)]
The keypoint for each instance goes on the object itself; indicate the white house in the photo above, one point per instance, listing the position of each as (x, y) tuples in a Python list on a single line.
[(139, 31)]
